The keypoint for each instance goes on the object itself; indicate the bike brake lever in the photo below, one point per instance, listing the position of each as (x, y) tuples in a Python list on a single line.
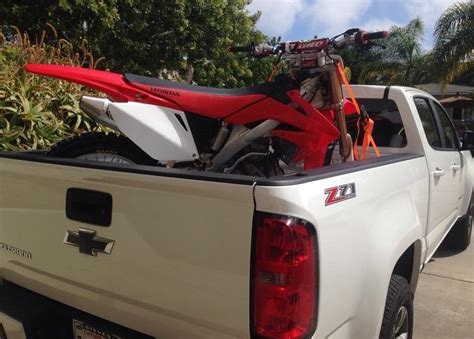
[(352, 31)]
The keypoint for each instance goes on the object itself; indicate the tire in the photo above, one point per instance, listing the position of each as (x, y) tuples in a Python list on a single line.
[(398, 315), (459, 238), (259, 166), (103, 148)]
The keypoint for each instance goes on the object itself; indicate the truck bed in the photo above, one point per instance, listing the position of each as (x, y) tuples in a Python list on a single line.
[(180, 265)]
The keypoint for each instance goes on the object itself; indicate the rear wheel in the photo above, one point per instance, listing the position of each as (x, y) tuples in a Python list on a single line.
[(398, 315), (118, 149), (102, 147)]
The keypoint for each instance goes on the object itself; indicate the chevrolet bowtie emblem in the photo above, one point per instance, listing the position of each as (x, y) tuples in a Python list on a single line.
[(87, 242)]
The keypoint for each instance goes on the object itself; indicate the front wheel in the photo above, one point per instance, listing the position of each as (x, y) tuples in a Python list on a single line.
[(259, 165), (102, 147), (398, 315)]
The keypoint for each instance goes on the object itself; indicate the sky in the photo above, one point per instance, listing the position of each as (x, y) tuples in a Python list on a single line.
[(303, 19)]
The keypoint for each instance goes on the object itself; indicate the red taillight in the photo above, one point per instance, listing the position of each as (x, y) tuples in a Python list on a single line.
[(284, 277)]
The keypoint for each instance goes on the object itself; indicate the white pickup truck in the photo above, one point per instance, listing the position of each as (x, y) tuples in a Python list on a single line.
[(95, 250)]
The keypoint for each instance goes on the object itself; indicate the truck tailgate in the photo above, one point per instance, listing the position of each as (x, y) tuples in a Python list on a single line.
[(180, 262)]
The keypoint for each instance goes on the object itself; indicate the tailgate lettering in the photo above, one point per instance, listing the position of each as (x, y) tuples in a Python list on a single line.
[(15, 250)]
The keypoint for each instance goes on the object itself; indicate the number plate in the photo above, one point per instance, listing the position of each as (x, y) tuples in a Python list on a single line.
[(85, 331)]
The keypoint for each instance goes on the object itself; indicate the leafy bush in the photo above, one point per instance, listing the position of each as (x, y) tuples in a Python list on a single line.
[(190, 37), (36, 111)]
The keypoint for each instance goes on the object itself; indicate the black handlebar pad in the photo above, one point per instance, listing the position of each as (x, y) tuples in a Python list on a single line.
[(374, 35)]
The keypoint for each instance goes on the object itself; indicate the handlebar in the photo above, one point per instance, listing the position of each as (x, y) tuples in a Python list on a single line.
[(258, 51), (350, 37), (364, 37)]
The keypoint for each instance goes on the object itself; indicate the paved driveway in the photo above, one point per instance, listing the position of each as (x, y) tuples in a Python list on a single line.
[(444, 300)]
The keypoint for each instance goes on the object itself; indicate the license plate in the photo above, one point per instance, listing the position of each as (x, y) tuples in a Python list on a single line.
[(85, 331)]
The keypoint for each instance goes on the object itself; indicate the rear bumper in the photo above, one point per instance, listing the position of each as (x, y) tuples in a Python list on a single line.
[(11, 328), (25, 314)]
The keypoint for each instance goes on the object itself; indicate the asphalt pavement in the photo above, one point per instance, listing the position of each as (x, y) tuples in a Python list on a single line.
[(444, 300)]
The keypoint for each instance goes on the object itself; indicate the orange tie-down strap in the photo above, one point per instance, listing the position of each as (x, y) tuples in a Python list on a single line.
[(369, 123)]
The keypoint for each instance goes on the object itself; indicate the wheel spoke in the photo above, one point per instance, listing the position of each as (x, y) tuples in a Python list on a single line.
[(106, 157), (400, 327)]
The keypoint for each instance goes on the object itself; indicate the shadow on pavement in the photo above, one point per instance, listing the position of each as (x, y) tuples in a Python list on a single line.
[(443, 252)]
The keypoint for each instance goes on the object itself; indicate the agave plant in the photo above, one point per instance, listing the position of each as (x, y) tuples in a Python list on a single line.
[(36, 112)]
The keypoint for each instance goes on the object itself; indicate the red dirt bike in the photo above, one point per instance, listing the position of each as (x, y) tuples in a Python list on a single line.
[(294, 118)]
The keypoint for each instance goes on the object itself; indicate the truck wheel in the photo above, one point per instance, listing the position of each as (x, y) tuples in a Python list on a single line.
[(103, 148), (459, 237), (398, 315)]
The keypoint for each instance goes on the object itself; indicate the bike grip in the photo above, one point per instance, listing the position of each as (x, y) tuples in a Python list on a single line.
[(375, 35)]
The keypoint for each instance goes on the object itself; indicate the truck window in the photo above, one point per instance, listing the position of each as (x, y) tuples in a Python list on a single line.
[(427, 119), (388, 127), (447, 128)]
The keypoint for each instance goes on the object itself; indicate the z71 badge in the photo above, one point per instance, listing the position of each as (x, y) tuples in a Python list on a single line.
[(340, 193)]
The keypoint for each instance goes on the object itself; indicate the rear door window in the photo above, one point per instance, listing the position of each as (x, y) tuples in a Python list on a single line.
[(428, 121), (450, 137), (388, 126)]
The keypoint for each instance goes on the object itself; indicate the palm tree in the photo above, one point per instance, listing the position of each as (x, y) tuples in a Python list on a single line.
[(454, 41), (402, 61)]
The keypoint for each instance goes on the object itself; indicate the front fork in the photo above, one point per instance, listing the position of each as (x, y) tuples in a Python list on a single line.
[(345, 141)]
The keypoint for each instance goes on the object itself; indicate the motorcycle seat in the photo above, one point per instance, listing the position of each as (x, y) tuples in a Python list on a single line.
[(265, 88), (216, 103)]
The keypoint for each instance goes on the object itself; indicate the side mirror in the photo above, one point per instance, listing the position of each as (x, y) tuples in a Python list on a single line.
[(468, 140)]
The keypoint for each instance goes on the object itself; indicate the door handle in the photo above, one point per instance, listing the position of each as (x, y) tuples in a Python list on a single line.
[(455, 167), (438, 172), (91, 207)]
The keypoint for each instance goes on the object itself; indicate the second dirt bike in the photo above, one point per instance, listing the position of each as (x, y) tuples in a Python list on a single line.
[(295, 118)]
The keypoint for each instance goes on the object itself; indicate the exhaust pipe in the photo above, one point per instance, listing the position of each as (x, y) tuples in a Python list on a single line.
[(239, 139), (97, 109)]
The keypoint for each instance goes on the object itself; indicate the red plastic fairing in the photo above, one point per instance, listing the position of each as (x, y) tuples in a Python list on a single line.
[(317, 130), (110, 83), (349, 107), (268, 108), (312, 142), (210, 105)]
